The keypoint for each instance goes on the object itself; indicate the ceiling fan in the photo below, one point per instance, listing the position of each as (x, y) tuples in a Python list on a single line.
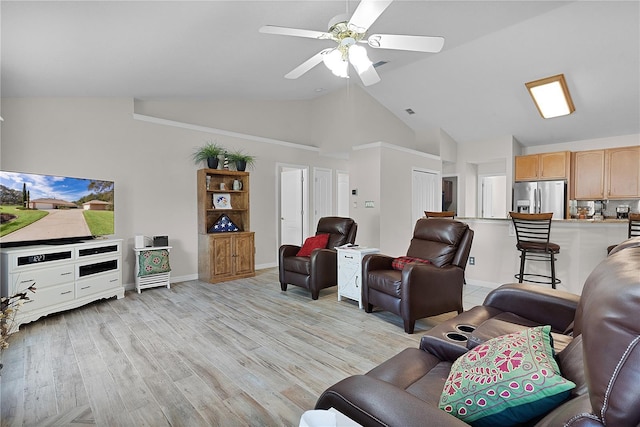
[(348, 33)]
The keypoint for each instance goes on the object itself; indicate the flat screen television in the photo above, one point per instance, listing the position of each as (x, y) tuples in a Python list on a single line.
[(46, 209)]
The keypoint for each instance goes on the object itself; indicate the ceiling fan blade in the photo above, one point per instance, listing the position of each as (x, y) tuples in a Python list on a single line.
[(368, 75), (363, 65), (415, 43), (285, 31), (366, 14), (306, 65)]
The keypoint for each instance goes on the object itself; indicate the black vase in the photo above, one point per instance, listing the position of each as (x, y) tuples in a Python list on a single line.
[(212, 162), (241, 165)]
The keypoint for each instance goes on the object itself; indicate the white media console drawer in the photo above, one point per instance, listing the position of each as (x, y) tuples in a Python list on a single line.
[(64, 276), (45, 297), (96, 284), (41, 277)]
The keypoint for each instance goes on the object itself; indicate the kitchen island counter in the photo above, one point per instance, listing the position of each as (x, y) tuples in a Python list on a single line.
[(583, 244)]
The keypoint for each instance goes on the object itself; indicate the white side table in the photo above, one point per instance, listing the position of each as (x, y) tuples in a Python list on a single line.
[(350, 272), (151, 280)]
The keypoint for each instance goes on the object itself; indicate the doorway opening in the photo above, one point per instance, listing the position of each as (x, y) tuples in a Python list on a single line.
[(450, 194)]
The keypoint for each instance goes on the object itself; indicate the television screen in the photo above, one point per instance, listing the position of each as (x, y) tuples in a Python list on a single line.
[(37, 209)]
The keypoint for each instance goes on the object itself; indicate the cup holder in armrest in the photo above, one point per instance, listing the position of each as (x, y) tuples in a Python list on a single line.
[(454, 336), (466, 328)]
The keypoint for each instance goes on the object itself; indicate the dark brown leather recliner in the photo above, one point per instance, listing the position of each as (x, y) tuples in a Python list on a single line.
[(319, 270), (599, 352), (421, 290)]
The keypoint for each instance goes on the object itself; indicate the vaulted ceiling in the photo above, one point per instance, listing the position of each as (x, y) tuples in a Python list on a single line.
[(473, 89)]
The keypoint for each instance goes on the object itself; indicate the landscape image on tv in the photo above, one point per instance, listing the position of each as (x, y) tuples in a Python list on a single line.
[(37, 207)]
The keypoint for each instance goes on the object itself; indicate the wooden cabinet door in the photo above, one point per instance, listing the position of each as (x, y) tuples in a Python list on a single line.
[(588, 175), (222, 251), (526, 167), (554, 165), (244, 254), (623, 172)]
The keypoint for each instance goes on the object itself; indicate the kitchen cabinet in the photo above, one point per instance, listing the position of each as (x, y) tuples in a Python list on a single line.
[(606, 174), (224, 255), (543, 166), (588, 175), (622, 172)]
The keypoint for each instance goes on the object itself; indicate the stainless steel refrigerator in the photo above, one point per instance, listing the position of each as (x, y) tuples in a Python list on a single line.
[(540, 196)]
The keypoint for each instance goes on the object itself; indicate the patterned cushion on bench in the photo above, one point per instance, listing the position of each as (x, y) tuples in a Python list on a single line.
[(153, 262)]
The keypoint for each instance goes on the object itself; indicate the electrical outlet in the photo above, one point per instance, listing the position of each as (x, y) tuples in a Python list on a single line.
[(472, 260), (368, 204)]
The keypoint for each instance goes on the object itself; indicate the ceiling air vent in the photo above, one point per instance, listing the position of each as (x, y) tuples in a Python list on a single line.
[(409, 111), (379, 64)]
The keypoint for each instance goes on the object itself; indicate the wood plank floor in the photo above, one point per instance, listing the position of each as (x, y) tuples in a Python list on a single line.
[(229, 354)]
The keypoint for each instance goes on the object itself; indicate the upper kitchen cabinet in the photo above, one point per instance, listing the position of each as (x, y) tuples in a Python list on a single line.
[(544, 166), (606, 174), (588, 175), (622, 172)]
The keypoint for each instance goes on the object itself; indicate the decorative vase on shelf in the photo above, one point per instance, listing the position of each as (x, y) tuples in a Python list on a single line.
[(212, 162), (241, 165)]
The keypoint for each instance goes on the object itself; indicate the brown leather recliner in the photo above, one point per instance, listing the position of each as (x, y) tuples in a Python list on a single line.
[(421, 290), (599, 352), (319, 270)]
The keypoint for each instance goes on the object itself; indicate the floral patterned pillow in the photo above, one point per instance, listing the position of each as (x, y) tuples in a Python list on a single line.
[(153, 262), (505, 381)]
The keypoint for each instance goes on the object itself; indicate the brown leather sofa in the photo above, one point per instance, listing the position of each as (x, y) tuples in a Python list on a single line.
[(596, 336), (319, 270), (421, 290)]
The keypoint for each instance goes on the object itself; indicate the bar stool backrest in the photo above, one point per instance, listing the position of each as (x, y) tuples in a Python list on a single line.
[(532, 228), (443, 214), (634, 225)]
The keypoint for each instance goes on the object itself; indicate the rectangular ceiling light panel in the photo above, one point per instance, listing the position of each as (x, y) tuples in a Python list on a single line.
[(551, 96)]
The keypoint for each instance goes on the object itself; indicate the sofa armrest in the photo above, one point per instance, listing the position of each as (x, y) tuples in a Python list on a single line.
[(542, 305), (372, 402), (288, 250), (438, 286), (373, 262), (324, 268)]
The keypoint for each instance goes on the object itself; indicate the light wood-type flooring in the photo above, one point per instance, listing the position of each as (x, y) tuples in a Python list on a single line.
[(230, 354)]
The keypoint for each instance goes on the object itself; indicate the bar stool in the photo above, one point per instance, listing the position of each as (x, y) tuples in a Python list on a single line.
[(444, 214), (634, 229), (532, 233)]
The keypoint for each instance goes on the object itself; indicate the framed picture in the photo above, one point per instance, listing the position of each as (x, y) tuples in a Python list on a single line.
[(222, 201)]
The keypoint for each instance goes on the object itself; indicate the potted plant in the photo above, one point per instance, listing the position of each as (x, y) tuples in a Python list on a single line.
[(209, 153), (241, 160)]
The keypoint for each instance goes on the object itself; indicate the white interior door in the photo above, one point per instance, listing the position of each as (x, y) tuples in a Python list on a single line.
[(343, 193), (426, 189), (322, 195), (493, 197), (293, 215)]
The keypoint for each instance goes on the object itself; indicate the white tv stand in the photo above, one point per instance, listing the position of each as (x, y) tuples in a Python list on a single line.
[(65, 276)]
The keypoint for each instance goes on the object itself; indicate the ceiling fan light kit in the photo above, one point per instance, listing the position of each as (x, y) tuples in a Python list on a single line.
[(348, 33)]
